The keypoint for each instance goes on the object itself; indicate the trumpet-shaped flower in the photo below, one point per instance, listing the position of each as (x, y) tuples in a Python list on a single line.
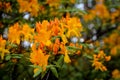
[(74, 27), (53, 3), (67, 58), (99, 65), (27, 32), (31, 6), (2, 48), (14, 34), (116, 74), (101, 11), (43, 33), (37, 57), (99, 59), (56, 46)]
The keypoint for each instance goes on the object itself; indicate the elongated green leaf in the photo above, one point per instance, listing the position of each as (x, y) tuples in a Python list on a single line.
[(85, 45), (97, 50), (34, 66), (43, 74), (72, 10), (88, 56), (53, 38), (72, 47), (54, 71), (60, 61), (16, 55), (38, 72), (8, 57), (49, 66), (13, 45)]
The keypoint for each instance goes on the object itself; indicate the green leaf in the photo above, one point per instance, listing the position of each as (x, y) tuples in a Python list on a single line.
[(8, 57), (43, 74), (38, 72), (54, 71), (72, 48), (97, 50), (88, 56), (72, 10), (85, 45), (16, 55), (49, 66), (53, 38), (13, 45), (34, 66), (60, 60)]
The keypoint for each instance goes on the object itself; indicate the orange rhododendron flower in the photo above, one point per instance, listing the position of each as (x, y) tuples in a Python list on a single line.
[(31, 6), (67, 58), (53, 3), (14, 34), (98, 64), (2, 47), (37, 57), (73, 29), (43, 33), (98, 60), (101, 11), (27, 32), (116, 74), (56, 46)]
